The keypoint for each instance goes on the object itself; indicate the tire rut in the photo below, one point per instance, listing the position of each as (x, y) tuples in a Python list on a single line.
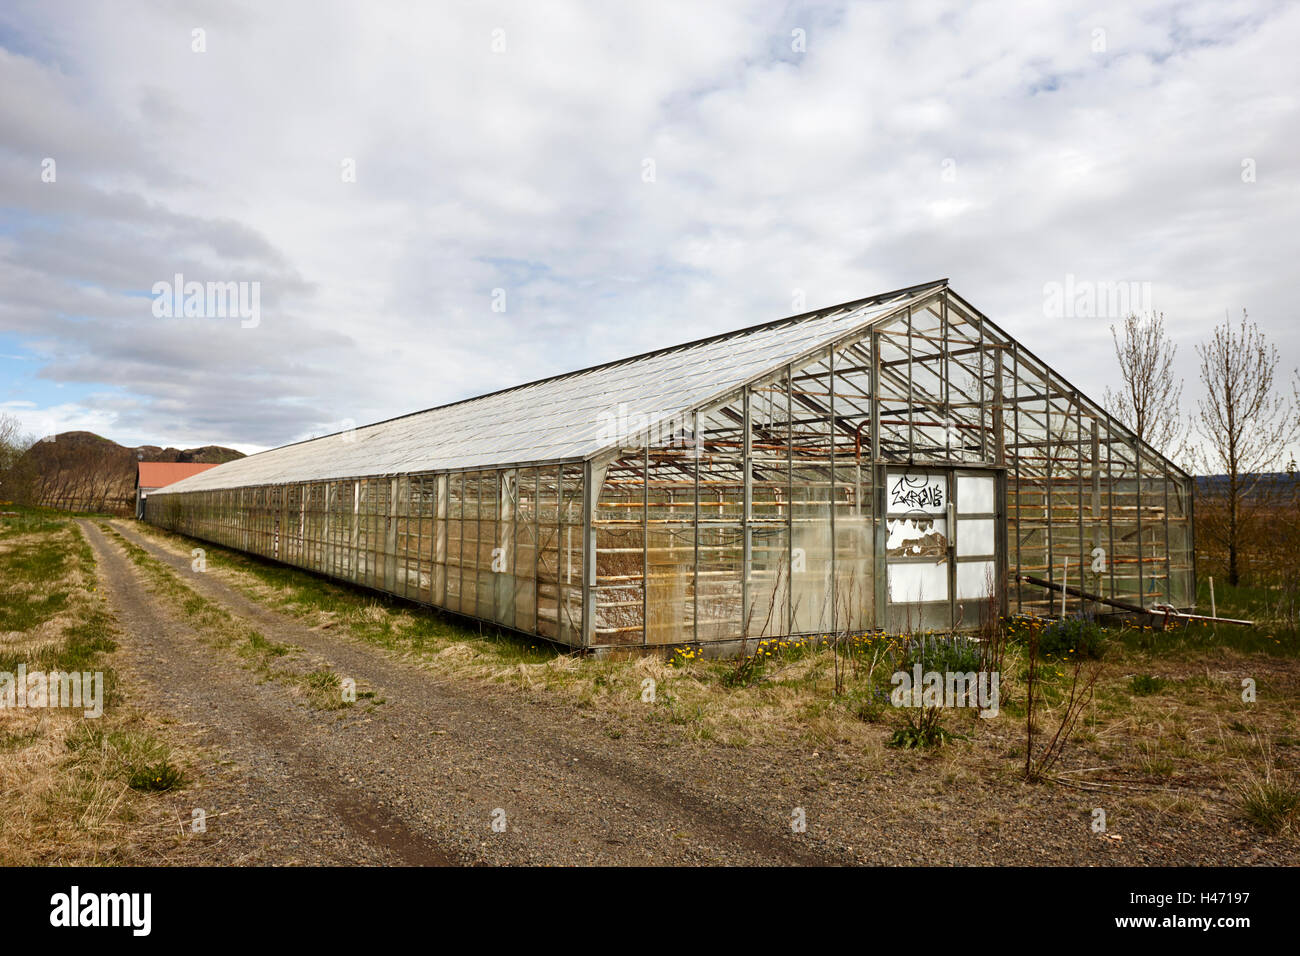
[(259, 730), (448, 755)]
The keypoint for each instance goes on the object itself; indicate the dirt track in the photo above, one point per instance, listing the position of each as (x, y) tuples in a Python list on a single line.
[(417, 778)]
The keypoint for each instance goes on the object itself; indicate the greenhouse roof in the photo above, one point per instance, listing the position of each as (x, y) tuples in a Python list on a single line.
[(563, 418)]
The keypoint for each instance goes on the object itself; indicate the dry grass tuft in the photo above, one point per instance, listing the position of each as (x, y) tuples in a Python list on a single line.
[(66, 795)]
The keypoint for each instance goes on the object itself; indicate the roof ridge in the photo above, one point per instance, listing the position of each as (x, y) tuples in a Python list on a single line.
[(664, 350), (534, 422)]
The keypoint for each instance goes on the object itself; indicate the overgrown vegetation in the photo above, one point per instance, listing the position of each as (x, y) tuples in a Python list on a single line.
[(1268, 795), (1144, 685), (71, 783), (139, 760), (1070, 637), (1270, 802)]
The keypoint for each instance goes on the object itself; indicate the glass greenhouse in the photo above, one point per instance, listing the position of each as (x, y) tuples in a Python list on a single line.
[(895, 462)]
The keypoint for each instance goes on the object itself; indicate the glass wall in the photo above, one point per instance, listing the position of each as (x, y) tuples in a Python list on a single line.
[(504, 546)]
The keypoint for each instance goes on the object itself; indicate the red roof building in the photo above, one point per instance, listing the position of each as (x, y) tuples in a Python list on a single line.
[(152, 475)]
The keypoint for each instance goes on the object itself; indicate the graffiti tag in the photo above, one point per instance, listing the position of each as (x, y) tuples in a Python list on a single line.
[(916, 494)]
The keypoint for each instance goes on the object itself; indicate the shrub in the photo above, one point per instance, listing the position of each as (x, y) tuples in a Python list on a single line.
[(954, 653), (1072, 636)]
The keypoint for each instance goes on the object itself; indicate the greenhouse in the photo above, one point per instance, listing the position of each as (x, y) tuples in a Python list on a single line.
[(895, 462)]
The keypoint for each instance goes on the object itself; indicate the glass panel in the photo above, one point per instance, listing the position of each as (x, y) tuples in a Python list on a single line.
[(571, 565), (670, 540), (974, 579), (526, 550), (854, 500), (619, 527), (975, 494), (721, 549), (768, 612), (976, 536), (812, 584), (917, 582), (548, 553)]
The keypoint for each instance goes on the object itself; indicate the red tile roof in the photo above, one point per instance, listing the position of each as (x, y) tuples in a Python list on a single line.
[(159, 474)]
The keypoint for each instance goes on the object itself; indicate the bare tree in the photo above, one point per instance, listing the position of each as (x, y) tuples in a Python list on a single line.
[(1244, 425), (14, 442), (1148, 400)]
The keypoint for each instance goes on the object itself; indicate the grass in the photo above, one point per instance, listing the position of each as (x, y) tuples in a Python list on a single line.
[(1270, 802), (157, 777), (25, 520), (66, 778), (1245, 602), (1144, 685), (23, 603), (1267, 793), (135, 757)]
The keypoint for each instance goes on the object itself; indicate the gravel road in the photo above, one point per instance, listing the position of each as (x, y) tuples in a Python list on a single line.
[(420, 777)]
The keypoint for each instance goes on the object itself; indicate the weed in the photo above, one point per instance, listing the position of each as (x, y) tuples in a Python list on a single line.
[(747, 672), (954, 653), (923, 730), (156, 778), (1144, 685)]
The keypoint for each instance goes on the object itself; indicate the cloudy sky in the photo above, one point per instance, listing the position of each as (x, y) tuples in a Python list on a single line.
[(617, 176)]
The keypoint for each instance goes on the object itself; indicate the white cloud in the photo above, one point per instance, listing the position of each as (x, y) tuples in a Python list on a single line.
[(775, 171)]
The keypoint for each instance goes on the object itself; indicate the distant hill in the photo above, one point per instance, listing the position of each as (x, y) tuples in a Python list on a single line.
[(82, 471)]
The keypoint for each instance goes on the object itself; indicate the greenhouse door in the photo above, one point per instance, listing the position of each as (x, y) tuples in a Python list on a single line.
[(942, 548)]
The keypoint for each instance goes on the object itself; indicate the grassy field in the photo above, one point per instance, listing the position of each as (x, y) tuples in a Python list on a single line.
[(73, 789), (1166, 723)]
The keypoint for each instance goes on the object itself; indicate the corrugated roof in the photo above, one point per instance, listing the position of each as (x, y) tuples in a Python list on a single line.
[(159, 474), (567, 417)]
